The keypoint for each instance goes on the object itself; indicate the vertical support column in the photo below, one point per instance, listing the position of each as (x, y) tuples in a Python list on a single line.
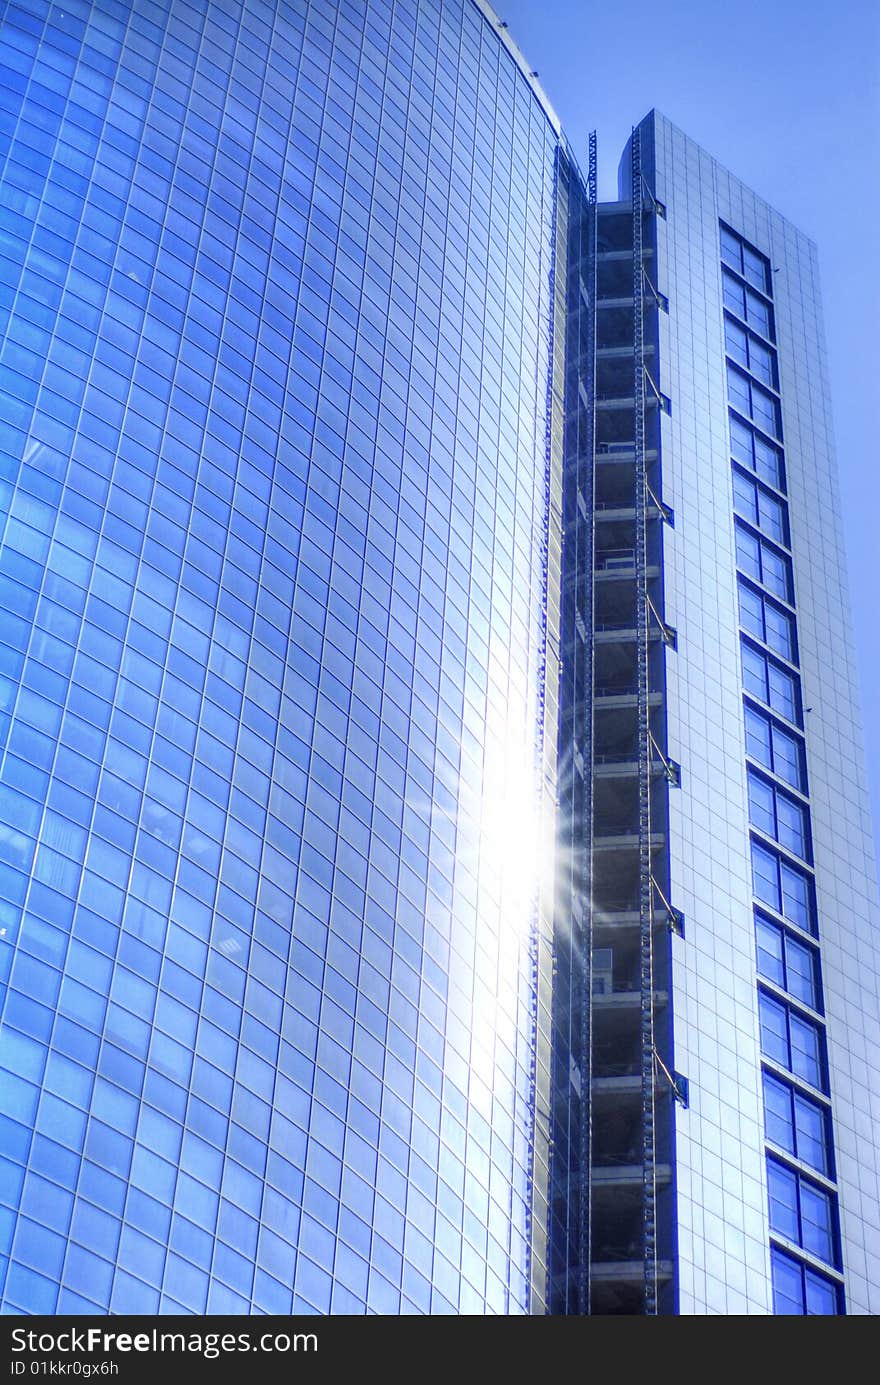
[(587, 468), (646, 892)]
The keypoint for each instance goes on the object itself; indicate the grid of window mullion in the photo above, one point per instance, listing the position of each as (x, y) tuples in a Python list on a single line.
[(810, 1281), (754, 533), (775, 723), (753, 331), (761, 433), (783, 855), (808, 1258), (783, 995), (763, 292), (776, 492), (117, 967), (793, 1161), (182, 372), (802, 1184), (792, 1001), (763, 492), (764, 340), (800, 934), (796, 1089)]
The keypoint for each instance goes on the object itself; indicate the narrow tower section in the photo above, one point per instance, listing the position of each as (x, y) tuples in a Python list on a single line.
[(612, 1226), (632, 1076)]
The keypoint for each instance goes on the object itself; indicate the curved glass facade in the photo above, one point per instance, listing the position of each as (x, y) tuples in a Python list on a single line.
[(275, 303)]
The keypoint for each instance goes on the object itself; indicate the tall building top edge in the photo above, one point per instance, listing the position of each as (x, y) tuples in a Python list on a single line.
[(655, 117), (503, 33)]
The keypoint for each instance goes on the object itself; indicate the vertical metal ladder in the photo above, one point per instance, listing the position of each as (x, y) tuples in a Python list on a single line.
[(646, 890)]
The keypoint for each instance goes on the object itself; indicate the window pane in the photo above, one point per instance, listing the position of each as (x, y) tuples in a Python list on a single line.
[(758, 314), (761, 806), (816, 1228), (761, 362), (787, 1285), (740, 393), (805, 1052), (748, 553), (800, 972), (735, 341), (787, 757), (758, 742), (768, 463), (765, 876), (731, 252), (734, 295), (782, 1191), (777, 1113), (779, 632), (810, 1124), (741, 443), (821, 1296), (775, 572), (791, 825), (754, 671), (764, 411), (774, 1034), (751, 611), (783, 692), (755, 268), (770, 951), (745, 497), (797, 901), (771, 516)]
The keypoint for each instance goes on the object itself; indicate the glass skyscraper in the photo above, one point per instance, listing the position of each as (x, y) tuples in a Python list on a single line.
[(434, 865)]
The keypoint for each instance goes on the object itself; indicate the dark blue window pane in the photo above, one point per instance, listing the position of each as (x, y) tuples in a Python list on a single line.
[(788, 1288)]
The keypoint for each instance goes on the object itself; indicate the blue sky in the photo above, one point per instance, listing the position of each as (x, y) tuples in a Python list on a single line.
[(787, 95)]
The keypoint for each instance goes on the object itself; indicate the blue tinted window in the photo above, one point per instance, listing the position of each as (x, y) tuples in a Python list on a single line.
[(801, 1211), (792, 1040)]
